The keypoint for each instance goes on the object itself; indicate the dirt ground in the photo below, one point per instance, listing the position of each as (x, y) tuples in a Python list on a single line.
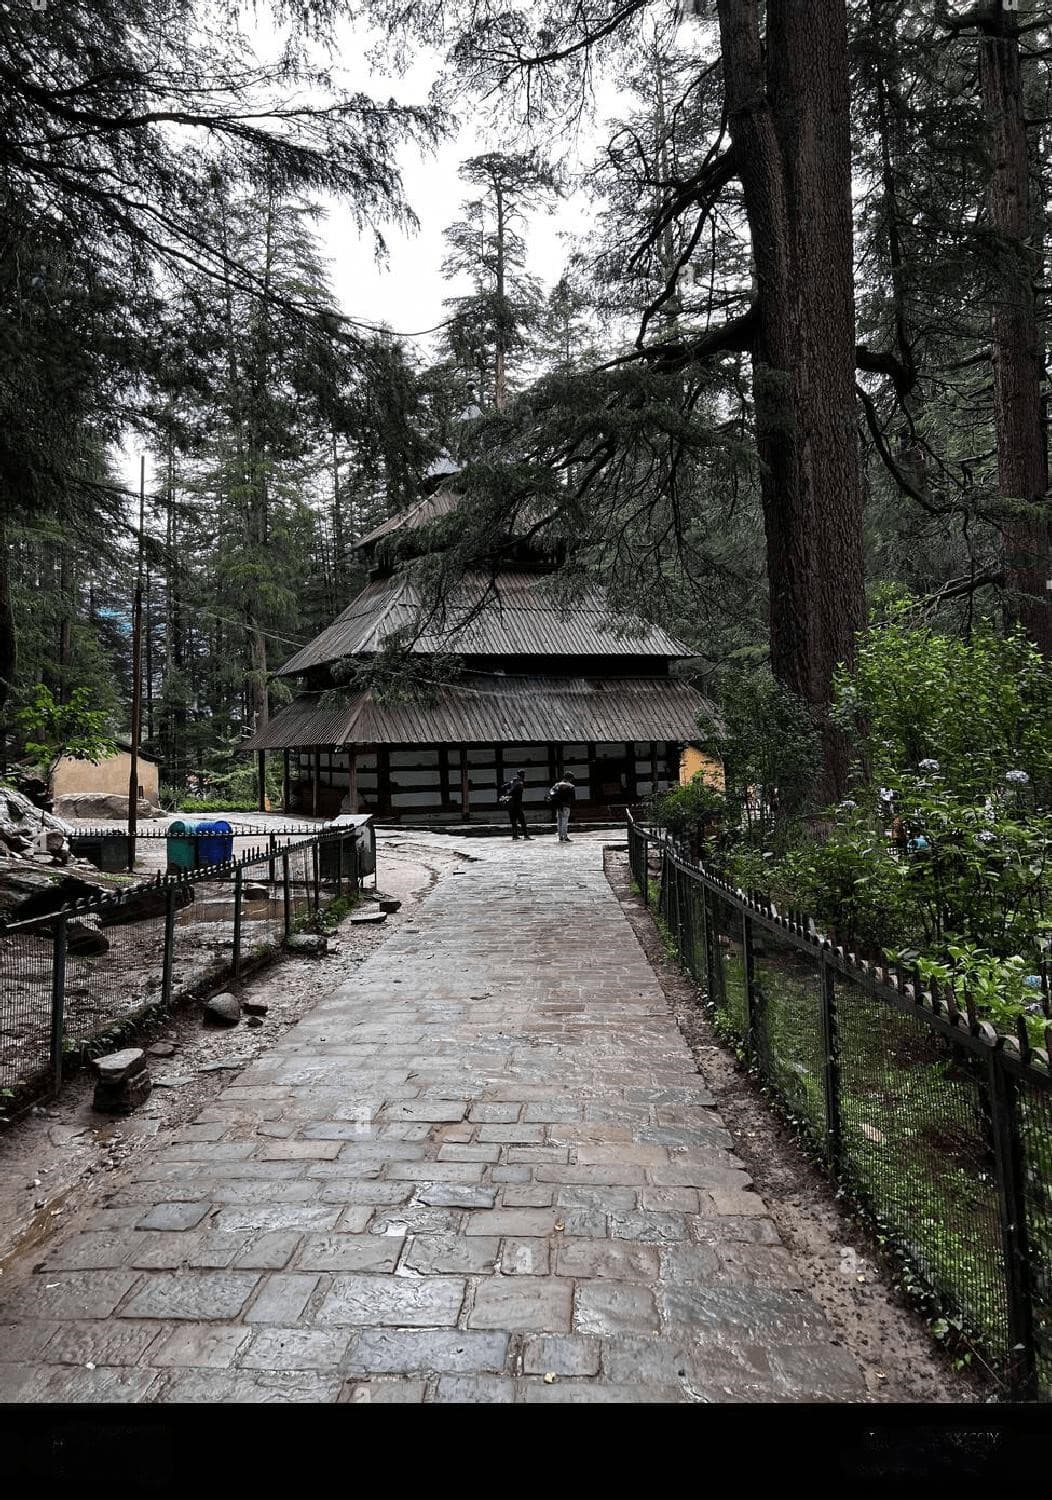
[(898, 1357), (55, 1161)]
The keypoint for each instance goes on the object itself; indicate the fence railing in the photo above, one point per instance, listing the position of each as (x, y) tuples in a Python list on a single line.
[(938, 1128), (68, 978)]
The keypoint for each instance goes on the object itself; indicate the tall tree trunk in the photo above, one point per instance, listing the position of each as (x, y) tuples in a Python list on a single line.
[(1018, 340), (148, 627), (500, 390), (8, 638), (339, 551), (788, 106), (67, 610)]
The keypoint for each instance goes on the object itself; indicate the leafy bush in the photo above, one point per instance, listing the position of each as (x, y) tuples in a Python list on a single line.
[(216, 805), (691, 809), (979, 708), (1003, 988), (770, 748), (952, 742), (54, 729)]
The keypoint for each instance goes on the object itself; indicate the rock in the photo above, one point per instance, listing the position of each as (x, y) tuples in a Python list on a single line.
[(223, 1010), (255, 893), (144, 902), (117, 1066), (101, 807), (84, 935), (161, 1049), (121, 1098), (50, 896), (366, 918), (254, 1021), (388, 904), (254, 1007), (307, 942)]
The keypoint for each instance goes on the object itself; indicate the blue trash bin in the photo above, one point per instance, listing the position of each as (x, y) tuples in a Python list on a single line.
[(215, 842)]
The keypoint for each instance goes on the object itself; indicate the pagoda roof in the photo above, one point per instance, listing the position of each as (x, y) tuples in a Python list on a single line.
[(510, 615), (440, 502), (491, 709)]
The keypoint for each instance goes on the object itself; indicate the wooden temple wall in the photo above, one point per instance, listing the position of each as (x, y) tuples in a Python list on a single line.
[(427, 778)]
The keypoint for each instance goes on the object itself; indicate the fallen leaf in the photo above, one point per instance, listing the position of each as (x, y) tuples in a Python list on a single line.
[(559, 1225)]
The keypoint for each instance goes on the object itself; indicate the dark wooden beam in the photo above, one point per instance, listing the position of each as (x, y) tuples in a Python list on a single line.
[(261, 778), (383, 780), (352, 778), (286, 781), (443, 776), (465, 785), (630, 771), (315, 780)]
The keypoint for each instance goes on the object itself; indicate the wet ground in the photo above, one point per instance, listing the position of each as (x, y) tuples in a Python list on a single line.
[(469, 1157)]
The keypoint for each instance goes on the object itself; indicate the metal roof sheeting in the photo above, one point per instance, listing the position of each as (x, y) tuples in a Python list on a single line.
[(482, 709), (519, 618), (441, 503)]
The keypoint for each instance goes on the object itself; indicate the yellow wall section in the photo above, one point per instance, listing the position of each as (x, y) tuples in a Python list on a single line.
[(692, 760), (71, 778)]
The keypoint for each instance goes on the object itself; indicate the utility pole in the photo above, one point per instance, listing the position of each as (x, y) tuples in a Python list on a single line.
[(136, 706)]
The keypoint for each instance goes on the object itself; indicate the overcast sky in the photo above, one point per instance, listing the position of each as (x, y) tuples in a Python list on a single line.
[(407, 290)]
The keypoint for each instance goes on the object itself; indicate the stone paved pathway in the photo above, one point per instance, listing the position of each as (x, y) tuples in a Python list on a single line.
[(485, 1171)]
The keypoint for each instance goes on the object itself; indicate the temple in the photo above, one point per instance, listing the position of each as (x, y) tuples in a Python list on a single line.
[(537, 687)]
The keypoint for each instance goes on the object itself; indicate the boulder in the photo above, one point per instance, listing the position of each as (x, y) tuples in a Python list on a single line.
[(115, 1067), (101, 807), (308, 943), (52, 896), (362, 918), (121, 1098), (143, 902), (223, 1010), (254, 1007), (255, 892), (85, 937)]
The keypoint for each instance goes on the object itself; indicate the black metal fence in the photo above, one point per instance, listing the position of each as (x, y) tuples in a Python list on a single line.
[(70, 977), (936, 1126)]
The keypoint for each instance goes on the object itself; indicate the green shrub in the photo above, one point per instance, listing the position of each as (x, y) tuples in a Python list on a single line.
[(980, 708), (770, 748), (690, 809)]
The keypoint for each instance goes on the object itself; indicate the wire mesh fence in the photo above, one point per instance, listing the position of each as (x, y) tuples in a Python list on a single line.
[(934, 1125), (72, 976)]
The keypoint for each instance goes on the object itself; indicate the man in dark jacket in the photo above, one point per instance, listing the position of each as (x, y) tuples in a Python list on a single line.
[(562, 796), (513, 790)]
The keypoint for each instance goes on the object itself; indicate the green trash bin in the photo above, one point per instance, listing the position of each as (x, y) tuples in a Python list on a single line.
[(182, 846)]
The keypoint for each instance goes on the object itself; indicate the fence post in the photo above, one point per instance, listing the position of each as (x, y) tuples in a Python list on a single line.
[(712, 951), (1011, 1189), (272, 844), (168, 961), (286, 894), (238, 873), (645, 881), (830, 1064), (316, 867), (752, 1025), (339, 865), (58, 998)]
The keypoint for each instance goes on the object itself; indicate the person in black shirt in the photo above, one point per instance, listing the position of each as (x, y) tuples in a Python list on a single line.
[(513, 791)]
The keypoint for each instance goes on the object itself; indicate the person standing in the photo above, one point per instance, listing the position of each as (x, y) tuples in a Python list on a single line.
[(562, 796), (511, 795)]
